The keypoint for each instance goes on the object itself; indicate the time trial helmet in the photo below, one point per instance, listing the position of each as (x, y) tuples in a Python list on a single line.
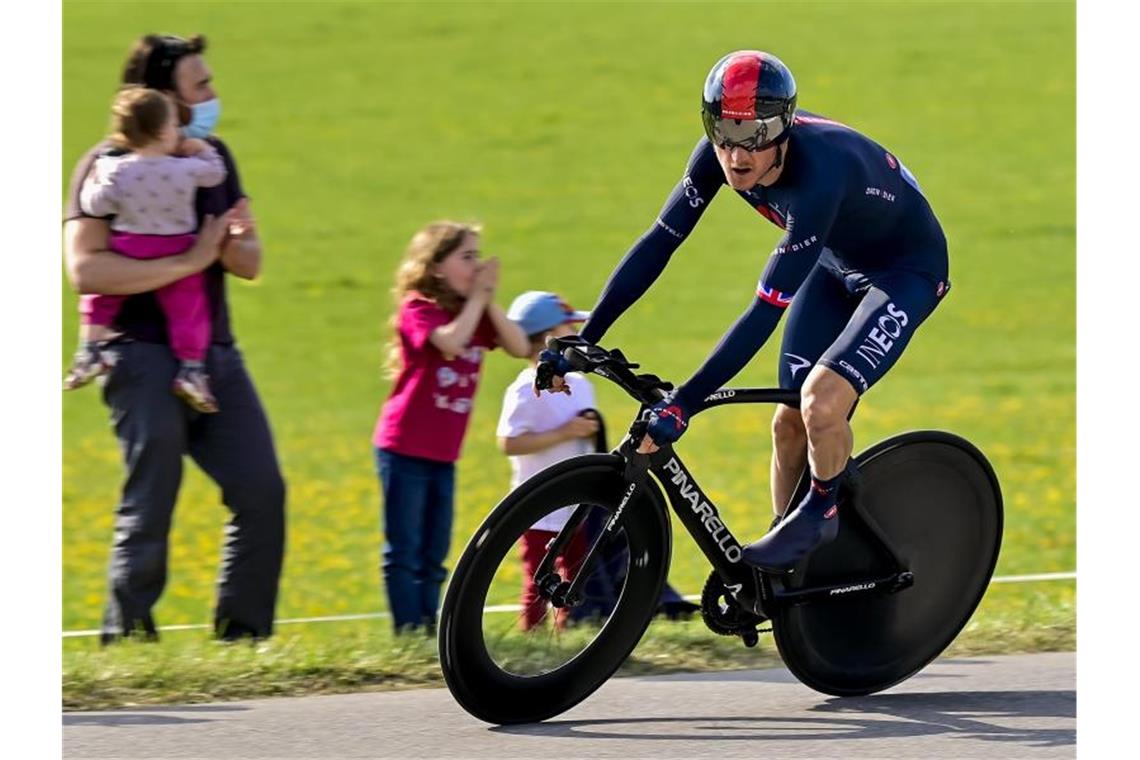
[(749, 101)]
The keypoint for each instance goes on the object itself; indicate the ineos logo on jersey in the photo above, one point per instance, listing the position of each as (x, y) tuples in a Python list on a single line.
[(691, 192), (880, 340)]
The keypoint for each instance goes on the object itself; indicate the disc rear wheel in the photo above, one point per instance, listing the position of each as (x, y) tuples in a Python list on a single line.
[(936, 501)]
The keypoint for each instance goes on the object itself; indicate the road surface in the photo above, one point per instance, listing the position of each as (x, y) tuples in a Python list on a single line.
[(1018, 706)]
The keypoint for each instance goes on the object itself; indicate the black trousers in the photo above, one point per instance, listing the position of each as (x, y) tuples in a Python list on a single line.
[(234, 447)]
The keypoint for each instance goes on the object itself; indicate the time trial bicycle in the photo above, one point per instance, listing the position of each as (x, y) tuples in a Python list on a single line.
[(920, 526)]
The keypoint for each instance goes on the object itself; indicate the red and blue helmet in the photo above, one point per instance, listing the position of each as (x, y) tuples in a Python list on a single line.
[(749, 101)]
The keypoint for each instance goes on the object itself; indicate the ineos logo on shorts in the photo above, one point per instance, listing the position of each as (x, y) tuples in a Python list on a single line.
[(879, 341)]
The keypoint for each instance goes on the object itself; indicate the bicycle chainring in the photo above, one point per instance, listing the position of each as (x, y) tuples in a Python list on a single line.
[(722, 613)]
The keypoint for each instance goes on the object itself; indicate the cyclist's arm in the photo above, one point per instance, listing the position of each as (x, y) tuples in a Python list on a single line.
[(786, 270), (646, 260)]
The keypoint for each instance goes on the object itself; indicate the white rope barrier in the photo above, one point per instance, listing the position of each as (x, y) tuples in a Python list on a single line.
[(514, 608)]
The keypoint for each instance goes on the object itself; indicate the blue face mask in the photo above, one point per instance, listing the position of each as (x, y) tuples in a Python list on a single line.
[(203, 119)]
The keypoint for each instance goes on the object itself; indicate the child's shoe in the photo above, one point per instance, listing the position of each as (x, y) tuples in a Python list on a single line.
[(90, 361), (192, 385)]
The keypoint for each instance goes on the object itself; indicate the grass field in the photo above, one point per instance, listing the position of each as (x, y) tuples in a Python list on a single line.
[(561, 128)]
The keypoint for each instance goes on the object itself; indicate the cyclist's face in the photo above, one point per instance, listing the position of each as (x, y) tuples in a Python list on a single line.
[(743, 169)]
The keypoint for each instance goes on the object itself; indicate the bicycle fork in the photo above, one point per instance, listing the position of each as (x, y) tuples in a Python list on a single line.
[(569, 593)]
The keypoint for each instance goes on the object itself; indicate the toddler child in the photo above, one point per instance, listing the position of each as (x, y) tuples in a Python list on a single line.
[(148, 184)]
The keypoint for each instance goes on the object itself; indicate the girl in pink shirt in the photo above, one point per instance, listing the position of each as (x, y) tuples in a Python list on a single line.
[(446, 318)]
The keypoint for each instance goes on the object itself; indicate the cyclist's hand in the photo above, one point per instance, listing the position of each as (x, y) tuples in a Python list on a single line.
[(667, 422), (550, 373)]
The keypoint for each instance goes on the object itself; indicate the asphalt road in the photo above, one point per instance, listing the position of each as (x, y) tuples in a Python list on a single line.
[(1020, 706)]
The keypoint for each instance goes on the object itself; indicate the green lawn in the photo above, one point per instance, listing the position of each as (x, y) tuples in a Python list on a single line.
[(562, 128)]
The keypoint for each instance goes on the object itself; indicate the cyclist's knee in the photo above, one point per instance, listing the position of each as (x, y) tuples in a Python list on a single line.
[(788, 427), (826, 402)]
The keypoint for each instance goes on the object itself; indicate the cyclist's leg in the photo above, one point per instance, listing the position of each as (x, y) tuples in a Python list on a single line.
[(819, 312), (891, 309)]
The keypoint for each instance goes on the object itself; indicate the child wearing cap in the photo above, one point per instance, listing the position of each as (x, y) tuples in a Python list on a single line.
[(538, 432)]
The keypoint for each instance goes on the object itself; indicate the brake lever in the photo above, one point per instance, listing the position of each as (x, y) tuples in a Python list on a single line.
[(617, 355)]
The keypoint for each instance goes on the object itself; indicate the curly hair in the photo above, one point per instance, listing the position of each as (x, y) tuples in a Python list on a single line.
[(429, 246)]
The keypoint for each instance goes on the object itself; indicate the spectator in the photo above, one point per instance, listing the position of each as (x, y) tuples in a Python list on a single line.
[(149, 187), (539, 432), (234, 447), (536, 432), (445, 318)]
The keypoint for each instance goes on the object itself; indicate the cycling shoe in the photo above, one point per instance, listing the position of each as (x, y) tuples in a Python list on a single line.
[(792, 539)]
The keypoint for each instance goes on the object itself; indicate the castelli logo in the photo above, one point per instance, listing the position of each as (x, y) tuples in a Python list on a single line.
[(891, 162), (941, 289)]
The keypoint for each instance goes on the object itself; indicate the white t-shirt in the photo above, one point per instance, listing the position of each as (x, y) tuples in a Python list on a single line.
[(523, 413)]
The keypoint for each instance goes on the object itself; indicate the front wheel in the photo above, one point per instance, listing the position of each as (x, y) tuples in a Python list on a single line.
[(511, 662)]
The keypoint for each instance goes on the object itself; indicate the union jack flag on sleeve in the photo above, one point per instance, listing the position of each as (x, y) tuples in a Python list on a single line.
[(775, 297)]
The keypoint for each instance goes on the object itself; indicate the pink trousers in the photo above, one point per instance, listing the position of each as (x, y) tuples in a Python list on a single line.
[(183, 301)]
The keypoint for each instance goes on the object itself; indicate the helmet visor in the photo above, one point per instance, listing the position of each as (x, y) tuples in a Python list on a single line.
[(750, 134)]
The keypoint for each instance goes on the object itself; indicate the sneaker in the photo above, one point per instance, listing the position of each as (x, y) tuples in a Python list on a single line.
[(192, 385), (91, 360)]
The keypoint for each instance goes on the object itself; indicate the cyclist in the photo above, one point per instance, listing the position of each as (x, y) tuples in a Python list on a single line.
[(862, 263)]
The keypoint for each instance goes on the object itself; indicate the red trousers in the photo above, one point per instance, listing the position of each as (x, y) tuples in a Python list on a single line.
[(533, 549)]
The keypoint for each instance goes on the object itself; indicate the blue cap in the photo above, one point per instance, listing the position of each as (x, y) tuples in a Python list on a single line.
[(537, 311)]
